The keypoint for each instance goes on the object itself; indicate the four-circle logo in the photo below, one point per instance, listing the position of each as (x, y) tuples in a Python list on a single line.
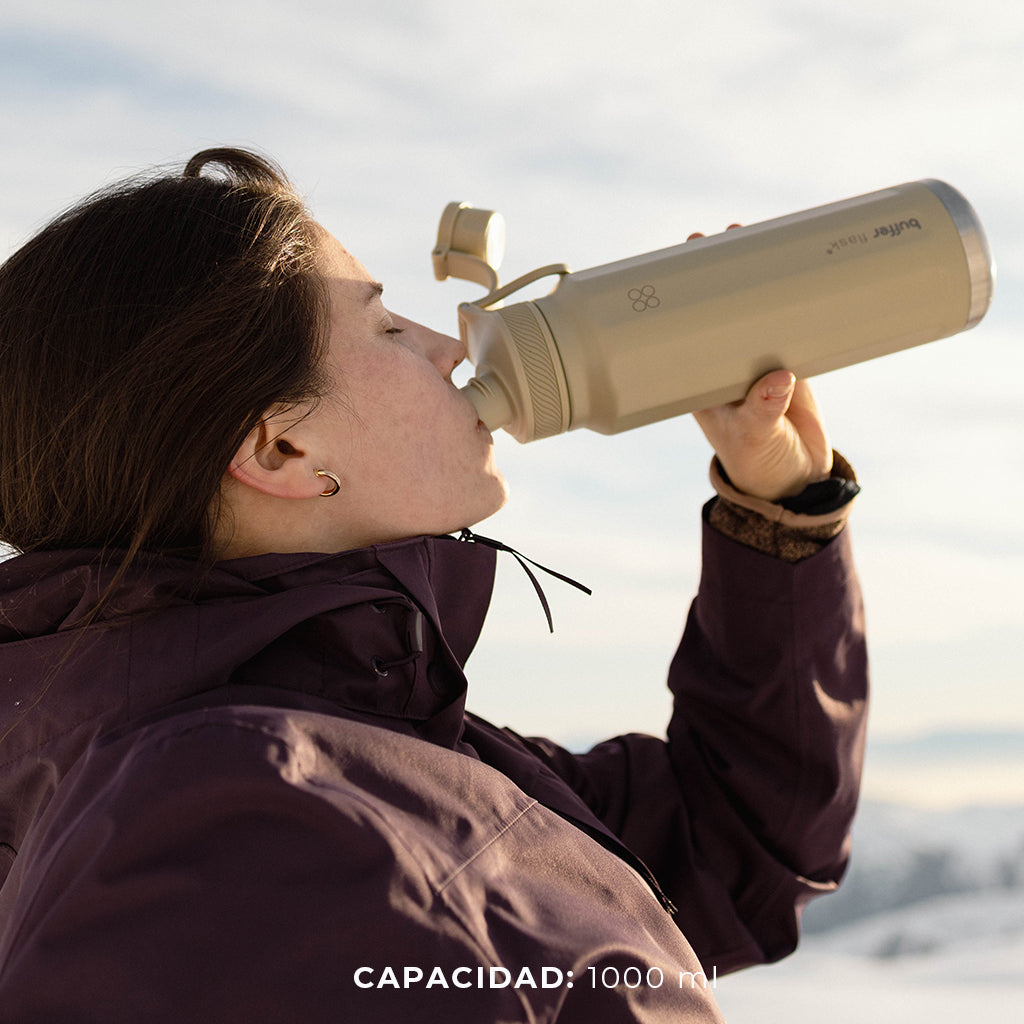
[(644, 298)]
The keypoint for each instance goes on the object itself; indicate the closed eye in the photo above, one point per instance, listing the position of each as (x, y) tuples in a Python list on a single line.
[(388, 325)]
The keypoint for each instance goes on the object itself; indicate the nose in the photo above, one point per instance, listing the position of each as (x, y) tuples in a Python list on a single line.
[(442, 350)]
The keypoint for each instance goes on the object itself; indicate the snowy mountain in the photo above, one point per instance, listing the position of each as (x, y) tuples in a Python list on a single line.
[(928, 928), (903, 856)]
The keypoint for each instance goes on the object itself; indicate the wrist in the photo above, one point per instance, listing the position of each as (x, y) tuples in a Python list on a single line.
[(819, 504)]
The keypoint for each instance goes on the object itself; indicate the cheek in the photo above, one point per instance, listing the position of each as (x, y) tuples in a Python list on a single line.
[(415, 443), (414, 451), (441, 456), (415, 438)]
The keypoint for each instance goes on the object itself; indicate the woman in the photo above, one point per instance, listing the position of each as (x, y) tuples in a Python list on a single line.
[(238, 780)]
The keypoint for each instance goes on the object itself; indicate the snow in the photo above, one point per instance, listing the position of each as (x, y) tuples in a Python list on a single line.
[(950, 957)]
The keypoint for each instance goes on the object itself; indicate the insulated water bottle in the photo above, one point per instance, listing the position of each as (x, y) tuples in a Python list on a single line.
[(642, 339)]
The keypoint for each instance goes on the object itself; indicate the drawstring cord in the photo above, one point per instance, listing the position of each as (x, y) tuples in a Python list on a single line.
[(468, 535)]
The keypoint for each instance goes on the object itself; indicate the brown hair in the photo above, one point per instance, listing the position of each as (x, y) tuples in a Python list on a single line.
[(142, 335)]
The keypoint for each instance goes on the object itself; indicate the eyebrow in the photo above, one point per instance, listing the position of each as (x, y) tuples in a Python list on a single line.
[(374, 290)]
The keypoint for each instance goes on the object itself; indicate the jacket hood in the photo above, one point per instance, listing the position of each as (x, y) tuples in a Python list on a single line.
[(383, 631)]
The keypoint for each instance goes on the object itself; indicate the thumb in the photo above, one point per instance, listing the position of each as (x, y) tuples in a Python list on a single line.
[(769, 399)]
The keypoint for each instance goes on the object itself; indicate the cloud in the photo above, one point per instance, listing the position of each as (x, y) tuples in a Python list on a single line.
[(601, 137)]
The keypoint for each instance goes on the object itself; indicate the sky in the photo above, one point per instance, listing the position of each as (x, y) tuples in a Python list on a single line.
[(601, 132)]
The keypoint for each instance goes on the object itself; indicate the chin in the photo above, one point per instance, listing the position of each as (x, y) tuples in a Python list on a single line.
[(490, 504), (499, 498)]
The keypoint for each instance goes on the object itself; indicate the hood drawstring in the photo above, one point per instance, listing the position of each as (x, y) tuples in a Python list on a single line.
[(468, 535)]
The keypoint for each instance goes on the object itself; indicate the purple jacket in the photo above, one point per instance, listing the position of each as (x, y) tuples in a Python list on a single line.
[(259, 797)]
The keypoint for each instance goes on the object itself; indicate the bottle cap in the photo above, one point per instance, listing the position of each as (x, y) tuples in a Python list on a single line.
[(470, 245)]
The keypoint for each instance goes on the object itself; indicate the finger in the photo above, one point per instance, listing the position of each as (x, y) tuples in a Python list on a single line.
[(770, 397), (700, 234), (766, 401), (807, 420), (803, 408)]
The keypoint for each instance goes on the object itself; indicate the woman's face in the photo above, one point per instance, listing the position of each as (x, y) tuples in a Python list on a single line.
[(411, 454)]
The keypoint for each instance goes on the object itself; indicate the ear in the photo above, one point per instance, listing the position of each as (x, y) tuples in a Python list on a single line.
[(272, 460)]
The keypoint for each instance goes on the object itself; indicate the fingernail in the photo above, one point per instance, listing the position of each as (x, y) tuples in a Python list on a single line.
[(780, 390)]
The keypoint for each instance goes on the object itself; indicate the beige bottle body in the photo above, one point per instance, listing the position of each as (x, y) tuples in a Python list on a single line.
[(643, 339)]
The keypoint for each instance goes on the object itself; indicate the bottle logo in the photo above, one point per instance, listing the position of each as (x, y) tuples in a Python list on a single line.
[(895, 229), (892, 230), (644, 298)]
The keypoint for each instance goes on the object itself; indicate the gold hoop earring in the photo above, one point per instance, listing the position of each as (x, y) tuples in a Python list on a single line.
[(331, 492)]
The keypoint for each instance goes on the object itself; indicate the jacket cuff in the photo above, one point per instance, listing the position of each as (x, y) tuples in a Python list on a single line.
[(793, 530)]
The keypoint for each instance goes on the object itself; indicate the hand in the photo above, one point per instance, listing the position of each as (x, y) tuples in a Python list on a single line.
[(773, 443)]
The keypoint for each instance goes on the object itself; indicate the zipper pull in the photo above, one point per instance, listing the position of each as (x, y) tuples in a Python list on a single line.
[(468, 535)]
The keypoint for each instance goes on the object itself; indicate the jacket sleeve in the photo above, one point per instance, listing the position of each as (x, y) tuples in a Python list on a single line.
[(743, 815)]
